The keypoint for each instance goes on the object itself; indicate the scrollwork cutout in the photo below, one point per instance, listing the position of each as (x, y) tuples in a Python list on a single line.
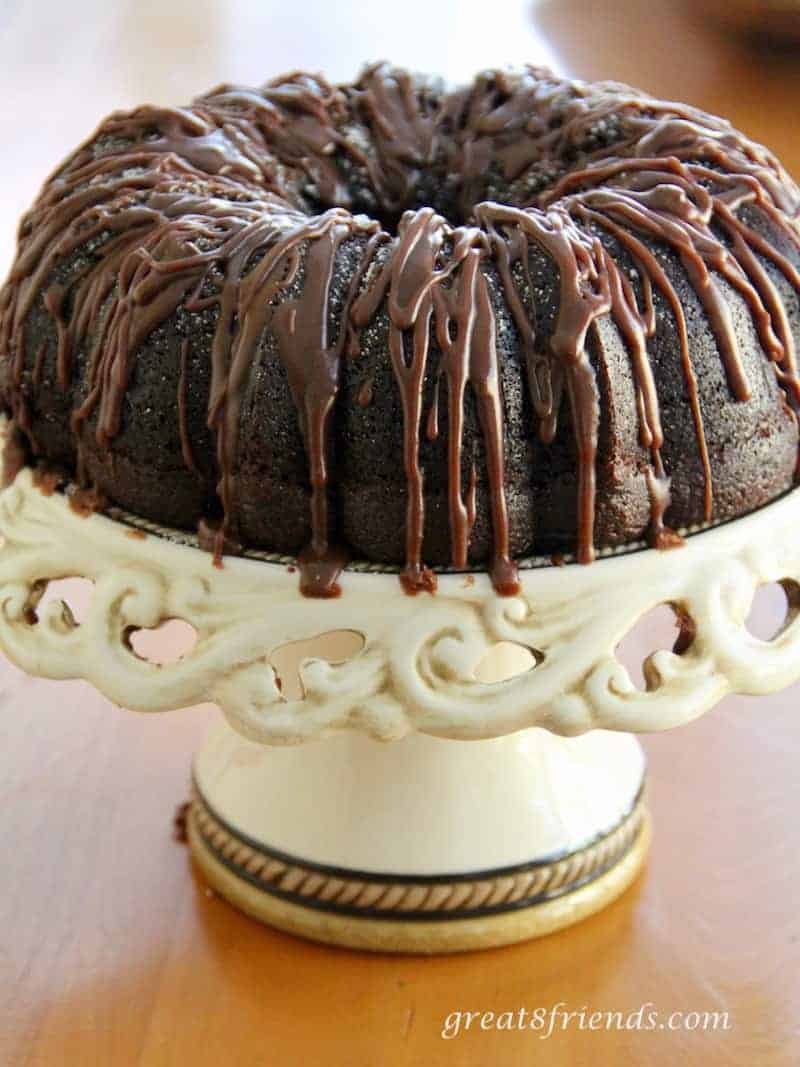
[(416, 669)]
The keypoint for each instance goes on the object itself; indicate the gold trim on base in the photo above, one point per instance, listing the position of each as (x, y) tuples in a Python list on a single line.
[(424, 935)]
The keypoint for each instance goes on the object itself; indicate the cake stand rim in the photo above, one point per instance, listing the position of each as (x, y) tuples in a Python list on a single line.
[(416, 668), (693, 535), (695, 538)]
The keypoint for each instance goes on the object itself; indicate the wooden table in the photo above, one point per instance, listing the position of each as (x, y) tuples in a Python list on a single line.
[(111, 952)]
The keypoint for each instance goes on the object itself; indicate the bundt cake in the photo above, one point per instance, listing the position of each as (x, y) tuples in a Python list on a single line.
[(409, 325)]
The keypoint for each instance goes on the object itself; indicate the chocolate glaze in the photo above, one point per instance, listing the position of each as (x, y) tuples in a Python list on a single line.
[(86, 502), (243, 206), (47, 479), (212, 537)]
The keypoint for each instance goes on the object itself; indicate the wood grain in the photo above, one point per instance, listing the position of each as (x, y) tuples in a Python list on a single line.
[(111, 951)]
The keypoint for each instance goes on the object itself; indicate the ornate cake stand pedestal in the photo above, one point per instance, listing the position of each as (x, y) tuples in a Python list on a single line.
[(468, 775)]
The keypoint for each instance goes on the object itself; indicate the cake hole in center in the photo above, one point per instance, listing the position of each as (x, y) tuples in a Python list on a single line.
[(334, 646), (431, 192)]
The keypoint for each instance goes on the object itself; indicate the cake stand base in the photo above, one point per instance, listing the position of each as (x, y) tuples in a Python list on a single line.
[(421, 845)]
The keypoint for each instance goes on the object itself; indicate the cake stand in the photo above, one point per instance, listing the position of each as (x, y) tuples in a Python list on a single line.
[(429, 773)]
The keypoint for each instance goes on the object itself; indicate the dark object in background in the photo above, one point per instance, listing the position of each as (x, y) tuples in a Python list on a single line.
[(776, 22)]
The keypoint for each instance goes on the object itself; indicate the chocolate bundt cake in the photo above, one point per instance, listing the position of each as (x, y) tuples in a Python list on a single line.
[(415, 326)]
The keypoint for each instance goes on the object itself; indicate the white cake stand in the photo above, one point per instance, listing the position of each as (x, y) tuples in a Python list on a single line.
[(441, 799)]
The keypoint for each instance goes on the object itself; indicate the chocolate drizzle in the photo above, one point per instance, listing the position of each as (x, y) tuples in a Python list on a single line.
[(245, 205)]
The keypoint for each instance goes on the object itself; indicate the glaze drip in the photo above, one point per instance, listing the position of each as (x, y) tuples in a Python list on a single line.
[(242, 207), (450, 303)]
